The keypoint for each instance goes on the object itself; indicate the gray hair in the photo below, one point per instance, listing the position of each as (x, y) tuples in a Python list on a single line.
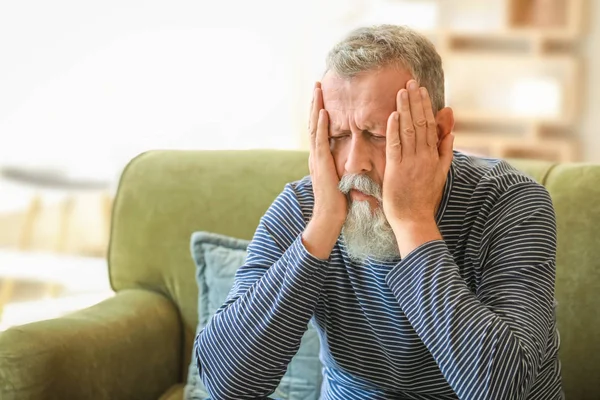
[(374, 47)]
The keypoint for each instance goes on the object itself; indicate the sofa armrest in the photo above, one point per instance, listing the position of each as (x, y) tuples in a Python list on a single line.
[(126, 347)]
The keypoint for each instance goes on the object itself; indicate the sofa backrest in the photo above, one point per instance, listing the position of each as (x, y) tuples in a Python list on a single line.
[(164, 196), (575, 192)]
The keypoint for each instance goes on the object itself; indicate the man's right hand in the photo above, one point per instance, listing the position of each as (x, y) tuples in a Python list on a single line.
[(331, 207)]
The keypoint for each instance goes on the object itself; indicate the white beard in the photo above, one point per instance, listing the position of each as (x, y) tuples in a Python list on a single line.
[(366, 232)]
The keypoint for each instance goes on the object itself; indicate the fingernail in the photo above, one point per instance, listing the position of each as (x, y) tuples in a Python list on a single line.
[(423, 93), (413, 85), (404, 95)]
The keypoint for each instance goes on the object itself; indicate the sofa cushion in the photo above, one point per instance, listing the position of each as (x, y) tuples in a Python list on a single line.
[(217, 259)]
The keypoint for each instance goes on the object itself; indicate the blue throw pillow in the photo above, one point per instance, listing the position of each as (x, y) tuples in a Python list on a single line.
[(217, 259)]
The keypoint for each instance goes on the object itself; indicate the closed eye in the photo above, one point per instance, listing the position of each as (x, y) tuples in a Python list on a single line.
[(339, 137), (377, 137)]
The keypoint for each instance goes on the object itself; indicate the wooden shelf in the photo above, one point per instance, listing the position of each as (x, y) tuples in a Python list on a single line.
[(502, 118), (531, 34), (517, 42), (562, 17)]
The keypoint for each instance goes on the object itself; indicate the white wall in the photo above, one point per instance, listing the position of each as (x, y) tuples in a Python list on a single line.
[(89, 84), (591, 113)]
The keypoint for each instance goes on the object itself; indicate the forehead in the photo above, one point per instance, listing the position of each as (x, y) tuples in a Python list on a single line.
[(368, 95)]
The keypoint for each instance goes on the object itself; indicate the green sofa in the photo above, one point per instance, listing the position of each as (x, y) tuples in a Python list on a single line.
[(137, 344)]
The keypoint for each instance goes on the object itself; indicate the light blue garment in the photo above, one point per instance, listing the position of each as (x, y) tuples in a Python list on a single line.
[(217, 259)]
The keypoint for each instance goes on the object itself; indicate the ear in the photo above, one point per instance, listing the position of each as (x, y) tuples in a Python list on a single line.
[(445, 122)]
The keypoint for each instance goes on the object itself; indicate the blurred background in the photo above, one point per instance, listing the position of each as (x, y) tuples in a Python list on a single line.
[(87, 85)]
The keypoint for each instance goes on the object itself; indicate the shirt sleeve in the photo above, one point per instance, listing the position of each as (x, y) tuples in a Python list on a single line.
[(488, 341), (244, 350)]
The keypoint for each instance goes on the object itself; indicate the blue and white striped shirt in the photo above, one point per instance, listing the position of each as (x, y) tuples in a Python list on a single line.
[(470, 316)]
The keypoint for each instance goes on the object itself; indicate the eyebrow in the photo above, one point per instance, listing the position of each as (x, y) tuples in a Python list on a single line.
[(369, 129)]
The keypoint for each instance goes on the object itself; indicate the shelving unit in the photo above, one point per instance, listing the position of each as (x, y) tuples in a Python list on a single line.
[(527, 81), (514, 77)]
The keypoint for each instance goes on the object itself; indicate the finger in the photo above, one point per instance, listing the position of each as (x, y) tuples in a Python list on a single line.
[(312, 122), (432, 138), (322, 141), (319, 98), (312, 102), (446, 152), (407, 130), (417, 114), (316, 105), (393, 147)]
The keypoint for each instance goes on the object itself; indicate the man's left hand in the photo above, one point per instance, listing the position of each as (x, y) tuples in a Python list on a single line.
[(417, 165)]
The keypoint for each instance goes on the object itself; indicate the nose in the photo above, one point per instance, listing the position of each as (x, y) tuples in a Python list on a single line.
[(358, 160)]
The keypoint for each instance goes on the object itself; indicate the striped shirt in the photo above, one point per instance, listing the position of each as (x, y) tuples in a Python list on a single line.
[(470, 316)]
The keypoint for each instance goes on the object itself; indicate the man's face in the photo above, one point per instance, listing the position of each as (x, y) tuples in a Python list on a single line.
[(358, 112)]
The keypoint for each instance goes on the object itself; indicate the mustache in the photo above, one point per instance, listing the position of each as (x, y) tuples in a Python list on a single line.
[(362, 183)]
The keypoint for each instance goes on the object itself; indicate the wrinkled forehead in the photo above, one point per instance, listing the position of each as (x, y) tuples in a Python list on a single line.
[(371, 94)]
